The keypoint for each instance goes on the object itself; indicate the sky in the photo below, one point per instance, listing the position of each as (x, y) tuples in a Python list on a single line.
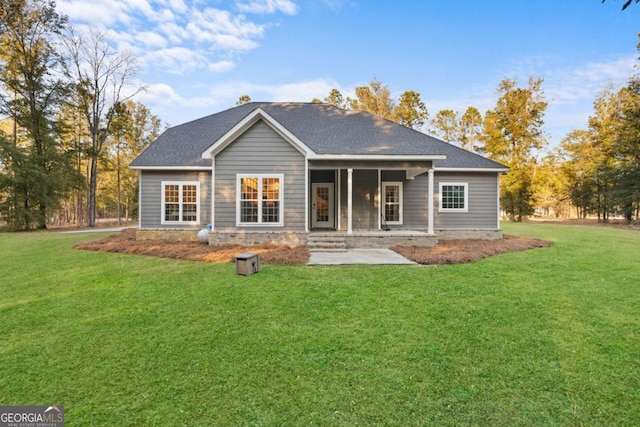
[(197, 58)]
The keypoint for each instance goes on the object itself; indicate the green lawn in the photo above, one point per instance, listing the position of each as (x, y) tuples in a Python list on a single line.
[(542, 337)]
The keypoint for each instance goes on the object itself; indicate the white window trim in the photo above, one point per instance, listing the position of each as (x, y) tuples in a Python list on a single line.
[(180, 184), (260, 177), (382, 197), (466, 196)]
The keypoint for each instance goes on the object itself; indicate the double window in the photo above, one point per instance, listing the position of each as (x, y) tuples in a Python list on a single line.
[(392, 199), (180, 202), (260, 199), (454, 197)]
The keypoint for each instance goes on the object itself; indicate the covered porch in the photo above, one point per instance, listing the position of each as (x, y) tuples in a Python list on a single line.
[(371, 200)]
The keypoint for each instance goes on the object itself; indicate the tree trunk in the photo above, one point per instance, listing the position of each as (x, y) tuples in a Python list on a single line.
[(92, 190), (42, 220), (118, 176)]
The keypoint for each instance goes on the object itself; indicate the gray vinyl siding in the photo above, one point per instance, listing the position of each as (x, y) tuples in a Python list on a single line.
[(416, 202), (260, 150), (483, 204), (151, 193), (364, 199)]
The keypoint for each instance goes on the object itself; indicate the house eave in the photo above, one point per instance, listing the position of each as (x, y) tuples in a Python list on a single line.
[(497, 170), (388, 157), (172, 168)]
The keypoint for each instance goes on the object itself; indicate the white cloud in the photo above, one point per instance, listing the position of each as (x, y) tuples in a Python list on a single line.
[(221, 66), (151, 39), (102, 13), (174, 36), (268, 6), (157, 94), (585, 81), (179, 6), (141, 6), (221, 22), (303, 91), (175, 60), (234, 43), (173, 31)]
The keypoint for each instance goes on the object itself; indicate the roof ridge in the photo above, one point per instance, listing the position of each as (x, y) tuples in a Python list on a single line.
[(323, 127)]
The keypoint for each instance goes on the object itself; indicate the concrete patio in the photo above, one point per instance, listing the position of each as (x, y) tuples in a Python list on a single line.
[(359, 256)]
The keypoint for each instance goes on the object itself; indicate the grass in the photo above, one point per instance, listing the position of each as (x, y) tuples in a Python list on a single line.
[(543, 337)]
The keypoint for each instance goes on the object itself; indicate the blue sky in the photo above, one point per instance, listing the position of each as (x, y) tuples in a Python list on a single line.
[(197, 57)]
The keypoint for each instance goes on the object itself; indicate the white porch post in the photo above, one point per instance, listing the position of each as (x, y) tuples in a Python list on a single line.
[(430, 203), (339, 196), (349, 201), (380, 201)]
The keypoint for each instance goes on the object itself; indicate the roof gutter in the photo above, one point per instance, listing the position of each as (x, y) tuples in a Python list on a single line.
[(393, 157), (497, 169), (172, 168)]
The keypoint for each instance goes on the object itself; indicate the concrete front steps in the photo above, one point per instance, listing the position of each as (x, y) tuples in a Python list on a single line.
[(326, 243)]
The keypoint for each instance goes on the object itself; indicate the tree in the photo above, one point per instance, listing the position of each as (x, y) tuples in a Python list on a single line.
[(550, 187), (336, 99), (411, 111), (244, 99), (445, 125), (375, 99), (626, 151), (603, 127), (100, 75), (35, 175), (74, 138), (627, 3), (134, 127), (512, 131), (470, 129), (579, 167)]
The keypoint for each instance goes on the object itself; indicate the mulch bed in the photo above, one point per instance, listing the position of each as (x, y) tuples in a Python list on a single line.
[(447, 252), (126, 243), (467, 250)]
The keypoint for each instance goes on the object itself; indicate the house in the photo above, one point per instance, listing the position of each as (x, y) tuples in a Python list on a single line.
[(282, 172)]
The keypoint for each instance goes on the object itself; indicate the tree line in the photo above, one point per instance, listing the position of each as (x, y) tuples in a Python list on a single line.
[(595, 171), (69, 124)]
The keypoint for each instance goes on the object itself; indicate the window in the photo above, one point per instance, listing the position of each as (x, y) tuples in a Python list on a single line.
[(392, 199), (259, 200), (454, 196), (180, 201)]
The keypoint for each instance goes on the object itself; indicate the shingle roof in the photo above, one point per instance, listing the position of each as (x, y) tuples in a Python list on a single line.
[(323, 128)]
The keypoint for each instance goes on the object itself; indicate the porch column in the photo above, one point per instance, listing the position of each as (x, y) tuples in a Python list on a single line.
[(349, 201), (430, 203)]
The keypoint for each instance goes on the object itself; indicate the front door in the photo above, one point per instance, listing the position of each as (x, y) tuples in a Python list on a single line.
[(322, 211)]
